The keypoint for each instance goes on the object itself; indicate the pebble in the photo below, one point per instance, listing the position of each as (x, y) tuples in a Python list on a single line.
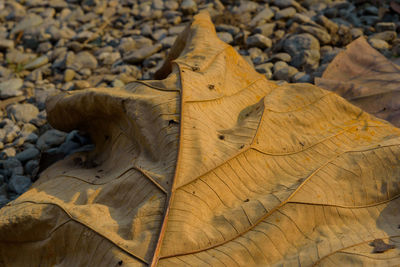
[(301, 77), (31, 167), (11, 166), (323, 36), (19, 183), (139, 55), (225, 36), (168, 41), (49, 139), (264, 15), (11, 88), (280, 57), (22, 112), (86, 60), (27, 154), (40, 61), (30, 21), (385, 26), (304, 50), (387, 36), (378, 44), (69, 75), (266, 29), (6, 44), (285, 13), (188, 6), (258, 40)]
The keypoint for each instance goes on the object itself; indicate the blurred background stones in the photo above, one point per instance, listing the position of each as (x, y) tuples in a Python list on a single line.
[(50, 46)]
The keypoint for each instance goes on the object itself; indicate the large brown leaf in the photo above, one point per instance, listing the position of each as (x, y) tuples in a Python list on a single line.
[(214, 165), (367, 79)]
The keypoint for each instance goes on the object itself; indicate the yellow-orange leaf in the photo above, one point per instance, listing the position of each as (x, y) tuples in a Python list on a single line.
[(211, 165)]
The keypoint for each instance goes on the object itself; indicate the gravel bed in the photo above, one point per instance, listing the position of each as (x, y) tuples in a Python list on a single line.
[(49, 46)]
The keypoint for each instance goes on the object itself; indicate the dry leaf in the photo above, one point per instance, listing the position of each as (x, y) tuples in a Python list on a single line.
[(213, 165), (367, 79)]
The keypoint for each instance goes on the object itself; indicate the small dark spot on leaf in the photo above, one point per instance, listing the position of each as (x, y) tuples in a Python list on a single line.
[(246, 200), (302, 144), (64, 172), (242, 146), (100, 170), (195, 68), (398, 226), (193, 192), (172, 122), (98, 177), (247, 114), (106, 137), (221, 137), (380, 246), (120, 263), (211, 86), (166, 182)]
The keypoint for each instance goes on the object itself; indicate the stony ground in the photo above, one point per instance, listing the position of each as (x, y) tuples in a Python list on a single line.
[(48, 46)]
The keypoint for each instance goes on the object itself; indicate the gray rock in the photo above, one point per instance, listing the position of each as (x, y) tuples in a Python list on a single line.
[(266, 29), (27, 154), (356, 32), (321, 34), (168, 41), (139, 55), (301, 77), (285, 13), (31, 167), (264, 15), (171, 5), (328, 56), (30, 21), (387, 36), (50, 138), (284, 73), (280, 65), (189, 6), (175, 30), (304, 50), (6, 44), (11, 88), (378, 44), (280, 57), (284, 3), (86, 60), (31, 138), (12, 166), (385, 26), (233, 30), (264, 68), (225, 36), (19, 183), (328, 24), (258, 40), (22, 112), (40, 61), (18, 57)]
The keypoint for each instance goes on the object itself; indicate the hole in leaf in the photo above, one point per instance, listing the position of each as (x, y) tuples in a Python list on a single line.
[(221, 137), (172, 122)]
